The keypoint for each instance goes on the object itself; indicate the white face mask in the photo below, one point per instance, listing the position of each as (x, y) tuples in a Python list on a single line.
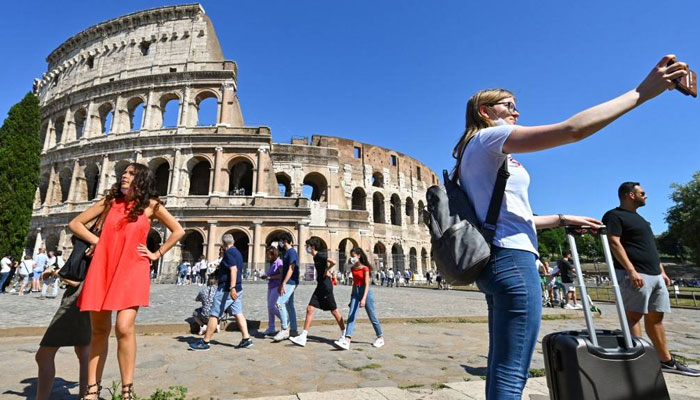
[(308, 249), (353, 260)]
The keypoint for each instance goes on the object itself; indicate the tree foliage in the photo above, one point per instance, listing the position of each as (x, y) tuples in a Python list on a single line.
[(20, 149), (551, 241), (683, 217)]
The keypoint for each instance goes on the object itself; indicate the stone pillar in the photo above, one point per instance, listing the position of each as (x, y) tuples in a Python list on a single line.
[(258, 252), (149, 110), (120, 118), (260, 187), (186, 107), (230, 114), (104, 177), (92, 123), (217, 186), (302, 235), (212, 252), (138, 157), (175, 175), (73, 191), (38, 242), (332, 178), (50, 198)]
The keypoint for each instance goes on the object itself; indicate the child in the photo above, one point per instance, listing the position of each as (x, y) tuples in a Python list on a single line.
[(206, 296)]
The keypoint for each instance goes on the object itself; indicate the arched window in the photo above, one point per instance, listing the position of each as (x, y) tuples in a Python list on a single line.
[(240, 178), (378, 179), (273, 237), (58, 128), (413, 259), (315, 187), (65, 179), (79, 118), (44, 187), (421, 209), (395, 209), (170, 105), (161, 172), (409, 211), (344, 248), (424, 259), (378, 208), (135, 107), (284, 183), (92, 177), (192, 246), (106, 113), (207, 108), (42, 133), (397, 257), (380, 255), (199, 178), (359, 199)]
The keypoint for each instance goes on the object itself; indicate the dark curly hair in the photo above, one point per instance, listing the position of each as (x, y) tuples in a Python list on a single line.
[(144, 187)]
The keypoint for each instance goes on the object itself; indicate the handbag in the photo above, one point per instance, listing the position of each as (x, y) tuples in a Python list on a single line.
[(75, 268)]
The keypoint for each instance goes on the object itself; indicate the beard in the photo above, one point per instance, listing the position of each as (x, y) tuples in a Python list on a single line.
[(640, 202)]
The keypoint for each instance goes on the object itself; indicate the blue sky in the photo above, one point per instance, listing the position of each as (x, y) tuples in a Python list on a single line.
[(398, 74)]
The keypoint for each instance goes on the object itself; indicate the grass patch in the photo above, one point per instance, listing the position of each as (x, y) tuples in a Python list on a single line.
[(411, 386), (554, 317), (684, 359), (483, 378), (399, 355), (537, 372), (172, 393), (438, 386), (369, 358), (368, 366)]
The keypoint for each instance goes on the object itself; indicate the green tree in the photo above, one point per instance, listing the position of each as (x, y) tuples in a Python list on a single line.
[(552, 241), (20, 149), (683, 217), (668, 244)]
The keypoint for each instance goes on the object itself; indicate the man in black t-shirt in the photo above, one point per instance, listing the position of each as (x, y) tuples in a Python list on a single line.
[(323, 295), (566, 270), (641, 275)]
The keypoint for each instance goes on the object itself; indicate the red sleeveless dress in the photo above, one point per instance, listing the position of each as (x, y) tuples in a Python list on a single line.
[(118, 277)]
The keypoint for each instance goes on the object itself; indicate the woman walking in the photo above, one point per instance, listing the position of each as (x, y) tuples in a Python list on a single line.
[(274, 278), (510, 280), (361, 296), (118, 278)]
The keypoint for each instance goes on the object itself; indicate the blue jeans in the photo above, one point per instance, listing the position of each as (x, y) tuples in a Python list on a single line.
[(514, 297), (3, 278), (285, 304), (355, 298)]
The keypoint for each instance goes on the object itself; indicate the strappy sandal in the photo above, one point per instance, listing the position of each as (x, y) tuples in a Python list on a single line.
[(128, 392), (90, 392)]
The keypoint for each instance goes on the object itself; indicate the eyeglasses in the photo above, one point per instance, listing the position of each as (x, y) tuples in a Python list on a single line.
[(642, 194), (509, 105)]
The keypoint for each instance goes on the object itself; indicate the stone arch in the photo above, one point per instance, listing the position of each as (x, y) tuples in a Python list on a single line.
[(192, 246), (92, 179), (135, 107), (207, 108), (241, 240), (344, 247), (240, 177), (79, 118), (170, 110), (397, 257), (424, 259), (106, 113), (395, 209), (410, 213), (413, 259), (359, 199), (315, 187), (379, 252), (58, 128), (65, 178), (44, 186), (284, 183), (421, 211), (200, 173), (378, 208), (274, 235), (377, 179), (161, 172)]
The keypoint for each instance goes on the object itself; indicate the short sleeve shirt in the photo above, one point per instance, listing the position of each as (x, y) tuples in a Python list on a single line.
[(275, 268), (358, 275), (515, 227), (636, 238), (5, 265), (291, 258), (232, 258), (567, 271), (40, 261)]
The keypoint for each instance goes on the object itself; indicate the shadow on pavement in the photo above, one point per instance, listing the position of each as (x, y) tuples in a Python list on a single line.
[(477, 371), (60, 390)]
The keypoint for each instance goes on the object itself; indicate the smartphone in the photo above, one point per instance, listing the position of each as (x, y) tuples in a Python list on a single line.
[(688, 85)]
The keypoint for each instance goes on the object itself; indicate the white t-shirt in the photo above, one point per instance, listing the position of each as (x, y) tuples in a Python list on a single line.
[(26, 267), (515, 228), (5, 265)]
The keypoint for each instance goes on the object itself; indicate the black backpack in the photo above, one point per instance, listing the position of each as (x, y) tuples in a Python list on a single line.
[(461, 247)]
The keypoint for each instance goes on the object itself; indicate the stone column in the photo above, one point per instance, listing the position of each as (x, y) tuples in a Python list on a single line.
[(302, 235), (212, 252), (258, 253), (175, 175), (138, 157), (186, 106), (260, 187), (50, 198), (92, 123), (218, 187), (104, 177), (149, 111), (230, 114), (73, 191), (38, 242), (120, 118), (332, 178)]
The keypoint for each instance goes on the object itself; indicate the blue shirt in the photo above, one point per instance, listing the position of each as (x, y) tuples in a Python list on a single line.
[(40, 261), (290, 258), (232, 258)]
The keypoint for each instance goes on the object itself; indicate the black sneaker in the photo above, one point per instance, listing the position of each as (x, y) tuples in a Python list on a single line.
[(200, 345), (678, 367), (245, 343)]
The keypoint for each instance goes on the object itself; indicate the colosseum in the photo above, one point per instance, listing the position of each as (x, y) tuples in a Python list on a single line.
[(138, 87)]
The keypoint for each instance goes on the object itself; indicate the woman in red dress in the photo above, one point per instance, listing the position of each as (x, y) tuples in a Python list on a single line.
[(119, 275)]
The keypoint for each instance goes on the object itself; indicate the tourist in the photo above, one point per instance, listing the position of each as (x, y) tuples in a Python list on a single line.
[(40, 262), (5, 269), (202, 270), (382, 277), (397, 278), (322, 297), (510, 277), (26, 269), (182, 273), (566, 270), (194, 277), (406, 277), (229, 295), (641, 275), (361, 296), (206, 297), (290, 280), (390, 277), (118, 277), (14, 266), (274, 278)]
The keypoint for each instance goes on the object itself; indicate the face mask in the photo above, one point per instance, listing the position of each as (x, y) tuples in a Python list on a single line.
[(308, 249), (353, 260)]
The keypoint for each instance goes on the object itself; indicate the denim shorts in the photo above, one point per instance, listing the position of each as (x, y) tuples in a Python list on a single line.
[(223, 301)]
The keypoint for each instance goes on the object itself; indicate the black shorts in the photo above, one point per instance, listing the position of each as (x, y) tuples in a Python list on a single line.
[(323, 299)]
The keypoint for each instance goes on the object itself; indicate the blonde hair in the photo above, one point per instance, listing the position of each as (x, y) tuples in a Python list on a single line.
[(475, 121)]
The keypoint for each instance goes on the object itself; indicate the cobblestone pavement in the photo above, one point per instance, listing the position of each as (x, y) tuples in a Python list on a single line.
[(417, 359)]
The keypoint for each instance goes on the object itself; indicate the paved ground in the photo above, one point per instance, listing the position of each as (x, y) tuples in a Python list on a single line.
[(437, 360)]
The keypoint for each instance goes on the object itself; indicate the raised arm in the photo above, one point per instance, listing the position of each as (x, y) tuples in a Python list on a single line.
[(164, 216), (526, 139)]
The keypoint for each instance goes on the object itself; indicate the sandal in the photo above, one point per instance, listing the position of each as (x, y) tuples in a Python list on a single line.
[(128, 392), (90, 392)]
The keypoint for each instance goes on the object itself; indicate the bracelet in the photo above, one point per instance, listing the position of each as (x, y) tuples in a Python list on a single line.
[(562, 220), (160, 251)]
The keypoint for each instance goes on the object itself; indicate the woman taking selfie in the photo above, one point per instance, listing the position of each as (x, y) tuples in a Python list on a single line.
[(118, 277), (510, 280)]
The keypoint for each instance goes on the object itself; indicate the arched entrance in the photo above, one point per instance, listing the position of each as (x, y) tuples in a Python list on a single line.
[(413, 259), (240, 182), (199, 178), (344, 248), (241, 241), (379, 252), (378, 208), (192, 246), (397, 257), (359, 199)]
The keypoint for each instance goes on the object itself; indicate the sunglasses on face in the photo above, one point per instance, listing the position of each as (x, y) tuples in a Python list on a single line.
[(509, 105)]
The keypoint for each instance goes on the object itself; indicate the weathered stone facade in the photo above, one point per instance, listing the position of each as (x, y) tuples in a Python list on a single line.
[(132, 89)]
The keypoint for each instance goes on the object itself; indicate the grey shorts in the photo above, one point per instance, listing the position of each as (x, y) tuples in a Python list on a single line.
[(653, 296)]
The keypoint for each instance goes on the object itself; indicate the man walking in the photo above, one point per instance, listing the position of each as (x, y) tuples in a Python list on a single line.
[(566, 270), (290, 280), (640, 273), (228, 295)]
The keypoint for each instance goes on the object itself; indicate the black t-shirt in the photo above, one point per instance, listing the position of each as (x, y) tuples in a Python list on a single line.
[(636, 238), (321, 263), (567, 271)]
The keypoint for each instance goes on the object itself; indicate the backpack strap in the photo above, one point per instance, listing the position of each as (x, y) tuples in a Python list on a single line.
[(499, 190)]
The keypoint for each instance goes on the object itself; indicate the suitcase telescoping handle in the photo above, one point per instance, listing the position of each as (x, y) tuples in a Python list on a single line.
[(579, 230)]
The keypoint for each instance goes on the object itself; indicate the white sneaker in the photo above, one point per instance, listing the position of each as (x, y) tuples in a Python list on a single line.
[(299, 340), (218, 328), (379, 342), (281, 335), (202, 329), (578, 306), (269, 331), (342, 343), (568, 306)]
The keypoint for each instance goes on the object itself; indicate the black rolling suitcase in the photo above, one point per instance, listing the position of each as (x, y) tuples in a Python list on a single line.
[(601, 364)]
